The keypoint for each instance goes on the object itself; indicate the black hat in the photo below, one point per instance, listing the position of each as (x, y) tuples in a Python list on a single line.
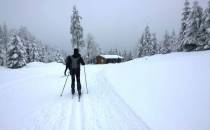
[(76, 51)]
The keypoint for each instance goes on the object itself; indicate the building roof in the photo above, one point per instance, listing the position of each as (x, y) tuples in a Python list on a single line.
[(111, 56)]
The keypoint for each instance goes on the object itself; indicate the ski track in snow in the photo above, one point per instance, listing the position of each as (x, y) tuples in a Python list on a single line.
[(100, 109)]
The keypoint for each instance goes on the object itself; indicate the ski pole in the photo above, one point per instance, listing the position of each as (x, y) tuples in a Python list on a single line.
[(64, 85), (85, 79)]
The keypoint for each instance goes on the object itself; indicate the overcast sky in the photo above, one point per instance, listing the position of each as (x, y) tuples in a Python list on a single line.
[(113, 23)]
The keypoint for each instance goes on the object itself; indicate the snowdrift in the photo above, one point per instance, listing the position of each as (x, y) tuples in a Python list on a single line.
[(161, 92), (169, 92)]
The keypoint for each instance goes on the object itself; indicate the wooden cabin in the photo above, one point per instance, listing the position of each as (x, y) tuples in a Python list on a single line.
[(105, 59)]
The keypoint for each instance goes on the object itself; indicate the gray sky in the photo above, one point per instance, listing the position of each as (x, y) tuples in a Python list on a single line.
[(113, 23)]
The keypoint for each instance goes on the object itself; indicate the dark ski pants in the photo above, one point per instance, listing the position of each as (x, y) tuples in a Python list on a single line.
[(75, 72)]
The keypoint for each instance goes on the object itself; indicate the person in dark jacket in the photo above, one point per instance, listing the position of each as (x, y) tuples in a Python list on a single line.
[(73, 64)]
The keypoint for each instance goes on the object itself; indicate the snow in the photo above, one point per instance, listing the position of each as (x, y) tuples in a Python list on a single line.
[(162, 92), (169, 92), (208, 30), (14, 56), (111, 56), (30, 97)]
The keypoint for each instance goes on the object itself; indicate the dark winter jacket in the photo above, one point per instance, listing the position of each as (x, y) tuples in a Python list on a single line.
[(74, 61)]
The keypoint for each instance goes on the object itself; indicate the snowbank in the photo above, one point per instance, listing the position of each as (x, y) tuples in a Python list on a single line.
[(169, 92), (162, 92)]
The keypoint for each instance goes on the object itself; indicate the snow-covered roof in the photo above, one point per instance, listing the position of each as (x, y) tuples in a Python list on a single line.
[(111, 56)]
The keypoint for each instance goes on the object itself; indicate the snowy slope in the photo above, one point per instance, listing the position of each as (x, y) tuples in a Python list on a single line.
[(162, 92), (169, 92), (30, 100)]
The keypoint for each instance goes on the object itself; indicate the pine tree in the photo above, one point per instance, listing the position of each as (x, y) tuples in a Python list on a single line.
[(42, 53), (4, 41), (173, 42), (58, 57), (140, 45), (194, 22), (39, 49), (145, 46), (206, 25), (23, 33), (184, 21), (5, 35), (154, 43), (207, 16), (35, 52), (185, 16), (16, 56), (116, 52), (149, 47), (1, 35), (158, 48), (113, 51), (130, 56), (1, 47), (92, 48), (165, 48), (126, 55), (27, 40), (76, 30)]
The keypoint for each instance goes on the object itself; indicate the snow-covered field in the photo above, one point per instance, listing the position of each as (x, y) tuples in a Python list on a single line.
[(162, 92)]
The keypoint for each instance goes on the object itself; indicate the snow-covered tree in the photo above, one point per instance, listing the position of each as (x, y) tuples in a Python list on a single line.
[(127, 55), (1, 57), (1, 35), (76, 30), (51, 54), (35, 52), (1, 47), (3, 42), (145, 46), (25, 34), (42, 53), (27, 39), (194, 22), (174, 45), (113, 51), (16, 55), (139, 48), (5, 35), (58, 57), (206, 25), (185, 16), (154, 43), (149, 47), (207, 16), (92, 48), (165, 45)]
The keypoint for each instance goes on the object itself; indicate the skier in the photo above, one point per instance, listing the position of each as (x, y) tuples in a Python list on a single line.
[(73, 64)]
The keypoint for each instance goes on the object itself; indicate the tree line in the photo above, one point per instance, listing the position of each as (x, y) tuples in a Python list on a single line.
[(193, 36), (19, 47)]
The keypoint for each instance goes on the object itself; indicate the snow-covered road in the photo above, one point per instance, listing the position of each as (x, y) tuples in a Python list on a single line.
[(30, 100)]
